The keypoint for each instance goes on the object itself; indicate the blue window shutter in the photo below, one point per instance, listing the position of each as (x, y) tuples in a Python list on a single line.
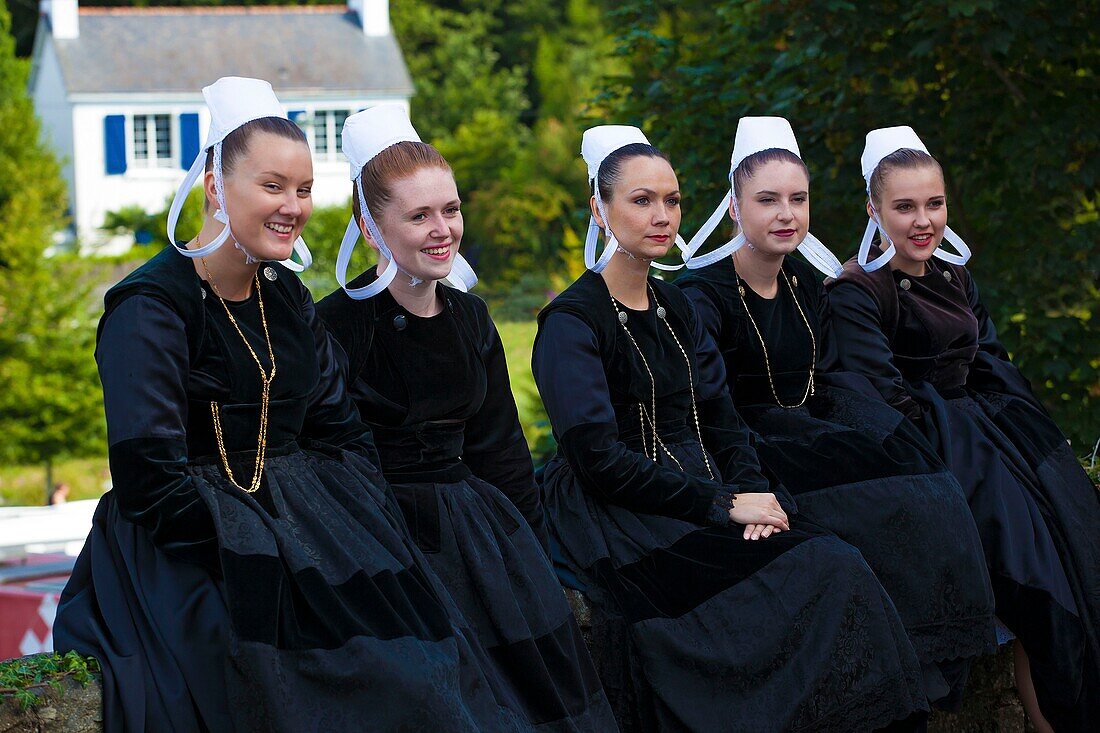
[(294, 114), (114, 144), (189, 138)]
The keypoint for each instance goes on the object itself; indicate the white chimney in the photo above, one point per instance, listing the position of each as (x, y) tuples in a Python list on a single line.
[(374, 16), (64, 17)]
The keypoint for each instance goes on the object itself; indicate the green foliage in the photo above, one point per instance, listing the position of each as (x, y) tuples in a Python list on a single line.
[(454, 67), (1003, 94), (322, 234), (49, 391), (50, 400), (22, 484), (30, 182), (134, 219), (500, 86), (19, 674), (130, 219)]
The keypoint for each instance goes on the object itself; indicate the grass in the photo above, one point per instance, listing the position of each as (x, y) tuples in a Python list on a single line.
[(26, 485), (518, 337)]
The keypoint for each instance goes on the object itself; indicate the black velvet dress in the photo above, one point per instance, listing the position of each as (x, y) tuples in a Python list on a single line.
[(436, 395), (929, 346), (853, 464), (302, 606), (793, 632)]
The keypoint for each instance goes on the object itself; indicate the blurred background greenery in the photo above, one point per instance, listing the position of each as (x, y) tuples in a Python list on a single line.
[(1004, 94)]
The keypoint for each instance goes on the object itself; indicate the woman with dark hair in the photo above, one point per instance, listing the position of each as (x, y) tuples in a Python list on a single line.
[(428, 374), (250, 570), (726, 612), (853, 465), (911, 320)]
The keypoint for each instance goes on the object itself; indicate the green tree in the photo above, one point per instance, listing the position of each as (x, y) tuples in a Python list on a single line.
[(517, 164), (50, 404), (454, 67), (1003, 93)]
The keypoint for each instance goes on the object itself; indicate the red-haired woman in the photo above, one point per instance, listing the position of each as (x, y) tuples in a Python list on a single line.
[(427, 372)]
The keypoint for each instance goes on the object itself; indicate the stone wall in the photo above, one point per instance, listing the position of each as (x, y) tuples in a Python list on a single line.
[(72, 709)]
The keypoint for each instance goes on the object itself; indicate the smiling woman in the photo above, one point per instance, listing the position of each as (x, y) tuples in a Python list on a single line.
[(427, 371), (912, 322), (269, 183), (913, 212)]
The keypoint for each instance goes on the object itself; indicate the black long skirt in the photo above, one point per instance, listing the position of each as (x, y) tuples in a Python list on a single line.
[(492, 565), (725, 634), (323, 616), (1038, 516), (860, 469)]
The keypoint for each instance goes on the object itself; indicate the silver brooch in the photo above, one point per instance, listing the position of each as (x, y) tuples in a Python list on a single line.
[(622, 317), (905, 284), (270, 274), (661, 312), (947, 275), (203, 291)]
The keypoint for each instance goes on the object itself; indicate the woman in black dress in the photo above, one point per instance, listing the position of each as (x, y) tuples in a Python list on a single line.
[(918, 330), (854, 465), (250, 570), (427, 372), (733, 614)]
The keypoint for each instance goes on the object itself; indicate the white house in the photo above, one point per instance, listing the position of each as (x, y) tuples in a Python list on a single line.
[(118, 90)]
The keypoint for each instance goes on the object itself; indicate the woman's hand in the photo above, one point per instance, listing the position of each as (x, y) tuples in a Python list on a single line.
[(760, 513)]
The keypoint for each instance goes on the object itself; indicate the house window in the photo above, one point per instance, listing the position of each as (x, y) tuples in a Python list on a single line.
[(153, 141), (326, 132)]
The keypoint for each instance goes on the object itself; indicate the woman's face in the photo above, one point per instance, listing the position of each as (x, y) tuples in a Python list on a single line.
[(269, 195), (645, 207), (775, 207), (913, 212), (422, 223)]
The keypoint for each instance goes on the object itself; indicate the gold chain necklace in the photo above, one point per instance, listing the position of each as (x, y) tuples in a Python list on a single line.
[(767, 364), (265, 400), (643, 416)]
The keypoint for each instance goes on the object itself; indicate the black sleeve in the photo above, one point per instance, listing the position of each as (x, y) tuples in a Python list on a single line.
[(992, 368), (143, 361), (331, 417), (827, 358), (493, 444), (725, 435), (570, 377), (863, 348), (987, 332)]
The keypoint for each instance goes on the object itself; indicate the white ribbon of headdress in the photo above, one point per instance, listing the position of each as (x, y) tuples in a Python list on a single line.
[(873, 226), (611, 245), (462, 276), (222, 215), (695, 262), (815, 252)]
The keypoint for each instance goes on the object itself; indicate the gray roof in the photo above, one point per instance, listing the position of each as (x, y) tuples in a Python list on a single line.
[(303, 49)]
